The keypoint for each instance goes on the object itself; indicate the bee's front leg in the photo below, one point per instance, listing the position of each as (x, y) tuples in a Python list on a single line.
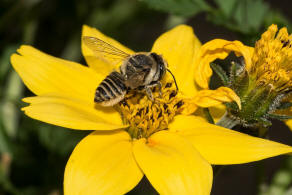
[(149, 93), (149, 87), (159, 85)]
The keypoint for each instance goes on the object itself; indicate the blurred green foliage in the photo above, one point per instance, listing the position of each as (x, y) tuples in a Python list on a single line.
[(245, 17), (185, 8), (33, 155), (281, 182)]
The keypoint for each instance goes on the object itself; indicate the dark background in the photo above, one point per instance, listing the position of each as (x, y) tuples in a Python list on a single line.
[(34, 154)]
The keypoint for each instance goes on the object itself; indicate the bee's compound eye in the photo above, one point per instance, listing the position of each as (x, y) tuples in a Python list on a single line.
[(159, 60)]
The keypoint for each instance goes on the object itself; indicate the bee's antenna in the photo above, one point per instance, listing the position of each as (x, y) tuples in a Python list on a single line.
[(173, 78)]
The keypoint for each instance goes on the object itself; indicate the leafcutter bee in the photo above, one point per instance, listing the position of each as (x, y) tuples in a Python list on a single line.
[(139, 71)]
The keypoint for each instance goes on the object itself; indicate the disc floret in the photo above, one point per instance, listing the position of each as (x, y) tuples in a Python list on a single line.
[(145, 116)]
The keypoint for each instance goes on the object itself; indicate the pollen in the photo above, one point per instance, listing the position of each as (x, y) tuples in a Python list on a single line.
[(272, 60), (145, 116)]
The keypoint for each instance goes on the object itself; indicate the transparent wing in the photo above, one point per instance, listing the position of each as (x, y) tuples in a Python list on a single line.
[(100, 47)]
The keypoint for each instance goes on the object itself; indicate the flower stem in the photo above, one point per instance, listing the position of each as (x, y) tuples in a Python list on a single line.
[(227, 121)]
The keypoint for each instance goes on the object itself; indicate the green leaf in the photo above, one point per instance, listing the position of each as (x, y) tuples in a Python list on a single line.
[(250, 14), (279, 117), (5, 60), (244, 16), (257, 10), (240, 16), (284, 105), (227, 6), (179, 7), (8, 108), (5, 142)]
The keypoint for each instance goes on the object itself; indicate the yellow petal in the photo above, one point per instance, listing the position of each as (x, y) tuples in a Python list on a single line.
[(72, 113), (221, 146), (44, 74), (216, 112), (209, 98), (189, 107), (289, 123), (102, 163), (179, 47), (99, 61), (218, 49), (172, 165)]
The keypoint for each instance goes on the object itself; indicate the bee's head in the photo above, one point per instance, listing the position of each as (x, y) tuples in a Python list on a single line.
[(161, 63)]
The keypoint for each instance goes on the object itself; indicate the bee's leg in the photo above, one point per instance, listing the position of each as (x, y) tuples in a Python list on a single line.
[(149, 93), (159, 85)]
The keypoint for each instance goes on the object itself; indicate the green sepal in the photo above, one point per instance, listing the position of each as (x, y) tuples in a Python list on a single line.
[(239, 80), (231, 106), (236, 70), (279, 116), (284, 105), (208, 116), (221, 73), (265, 122), (233, 70)]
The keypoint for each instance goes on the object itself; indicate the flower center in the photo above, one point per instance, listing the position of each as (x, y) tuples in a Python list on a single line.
[(146, 117), (272, 60)]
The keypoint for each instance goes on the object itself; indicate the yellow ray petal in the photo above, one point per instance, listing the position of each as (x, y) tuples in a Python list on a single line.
[(72, 113), (172, 165), (102, 163), (216, 112), (102, 64), (44, 74), (179, 47), (289, 124), (220, 146), (218, 49), (210, 98)]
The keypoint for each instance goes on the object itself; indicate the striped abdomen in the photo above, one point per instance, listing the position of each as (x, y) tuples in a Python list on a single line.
[(111, 90)]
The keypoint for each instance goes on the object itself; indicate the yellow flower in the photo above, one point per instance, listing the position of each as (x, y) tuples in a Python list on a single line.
[(137, 137), (263, 82), (272, 60)]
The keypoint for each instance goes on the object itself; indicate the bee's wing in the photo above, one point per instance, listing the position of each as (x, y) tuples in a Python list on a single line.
[(101, 48)]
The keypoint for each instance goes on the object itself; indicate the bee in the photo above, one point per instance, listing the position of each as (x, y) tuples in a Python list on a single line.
[(139, 71)]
